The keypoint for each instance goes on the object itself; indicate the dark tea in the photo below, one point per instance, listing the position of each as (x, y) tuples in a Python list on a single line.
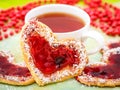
[(61, 22)]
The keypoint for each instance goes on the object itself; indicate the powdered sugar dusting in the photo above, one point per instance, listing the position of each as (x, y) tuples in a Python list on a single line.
[(15, 78), (7, 54), (109, 52)]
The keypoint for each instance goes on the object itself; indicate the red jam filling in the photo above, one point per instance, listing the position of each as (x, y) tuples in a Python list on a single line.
[(110, 71), (114, 45), (49, 59), (7, 68)]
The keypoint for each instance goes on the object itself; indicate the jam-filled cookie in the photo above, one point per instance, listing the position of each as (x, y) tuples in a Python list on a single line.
[(12, 73), (106, 73), (110, 45), (50, 60)]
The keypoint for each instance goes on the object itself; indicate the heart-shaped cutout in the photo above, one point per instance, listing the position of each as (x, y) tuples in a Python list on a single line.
[(48, 59), (11, 73), (105, 73)]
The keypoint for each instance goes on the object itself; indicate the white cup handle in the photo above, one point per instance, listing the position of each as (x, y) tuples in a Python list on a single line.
[(97, 37)]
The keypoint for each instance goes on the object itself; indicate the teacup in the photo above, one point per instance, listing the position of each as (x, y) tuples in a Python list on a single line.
[(80, 34)]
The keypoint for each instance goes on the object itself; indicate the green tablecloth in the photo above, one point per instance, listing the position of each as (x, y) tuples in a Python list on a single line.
[(14, 47)]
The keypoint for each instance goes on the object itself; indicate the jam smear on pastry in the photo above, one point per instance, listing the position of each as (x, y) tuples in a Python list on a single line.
[(110, 71), (104, 73), (7, 68), (13, 73), (114, 45)]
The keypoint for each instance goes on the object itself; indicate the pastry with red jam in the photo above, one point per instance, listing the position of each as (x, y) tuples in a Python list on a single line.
[(110, 45), (105, 73), (48, 59), (12, 73)]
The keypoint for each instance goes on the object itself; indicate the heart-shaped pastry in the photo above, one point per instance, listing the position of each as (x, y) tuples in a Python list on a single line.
[(11, 73), (105, 73), (110, 44), (48, 59)]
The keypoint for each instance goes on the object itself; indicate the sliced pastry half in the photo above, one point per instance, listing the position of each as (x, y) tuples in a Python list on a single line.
[(48, 59), (104, 73), (12, 73)]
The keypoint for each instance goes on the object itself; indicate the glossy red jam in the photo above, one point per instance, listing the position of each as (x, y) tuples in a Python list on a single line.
[(50, 59), (7, 68), (110, 71), (114, 45)]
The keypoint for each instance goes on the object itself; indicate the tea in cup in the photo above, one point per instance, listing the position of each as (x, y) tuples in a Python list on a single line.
[(66, 21)]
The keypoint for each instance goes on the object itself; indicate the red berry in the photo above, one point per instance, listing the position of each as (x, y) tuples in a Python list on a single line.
[(93, 17), (104, 19), (16, 26), (18, 8), (14, 18), (68, 1), (2, 18), (1, 38), (1, 23), (9, 25), (13, 23), (11, 33), (4, 29), (6, 35), (16, 30), (104, 16), (51, 1)]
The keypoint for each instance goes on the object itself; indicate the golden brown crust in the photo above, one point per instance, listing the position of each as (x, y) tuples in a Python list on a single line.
[(14, 80), (106, 46), (11, 82), (93, 81), (96, 81), (61, 75)]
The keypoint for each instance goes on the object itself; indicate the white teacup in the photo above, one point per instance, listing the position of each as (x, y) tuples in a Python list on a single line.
[(80, 34)]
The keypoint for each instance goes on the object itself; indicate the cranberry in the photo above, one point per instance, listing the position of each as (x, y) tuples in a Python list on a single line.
[(1, 23), (71, 2), (6, 35), (4, 29), (1, 38), (11, 33), (16, 30), (13, 18), (104, 13)]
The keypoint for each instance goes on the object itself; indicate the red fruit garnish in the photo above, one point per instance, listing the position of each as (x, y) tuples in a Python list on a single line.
[(71, 2), (104, 16), (12, 19)]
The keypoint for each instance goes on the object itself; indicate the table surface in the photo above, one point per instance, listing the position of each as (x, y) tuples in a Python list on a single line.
[(14, 48)]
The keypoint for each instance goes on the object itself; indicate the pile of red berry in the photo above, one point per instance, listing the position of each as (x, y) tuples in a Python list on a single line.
[(104, 16), (12, 19), (71, 2)]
